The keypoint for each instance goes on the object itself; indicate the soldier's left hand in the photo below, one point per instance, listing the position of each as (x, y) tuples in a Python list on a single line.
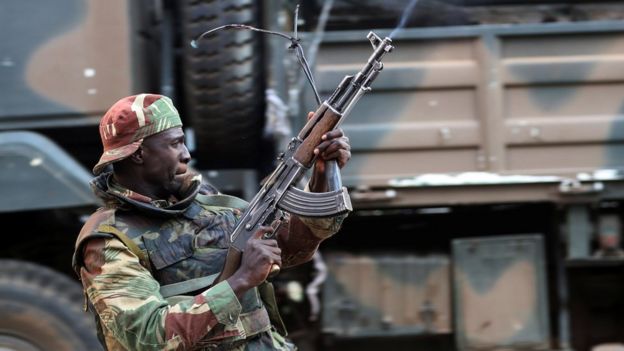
[(335, 146)]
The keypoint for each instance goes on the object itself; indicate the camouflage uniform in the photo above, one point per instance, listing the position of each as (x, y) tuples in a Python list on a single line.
[(133, 245), (182, 241)]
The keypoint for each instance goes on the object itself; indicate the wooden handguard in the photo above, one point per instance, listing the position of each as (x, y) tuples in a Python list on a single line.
[(323, 121)]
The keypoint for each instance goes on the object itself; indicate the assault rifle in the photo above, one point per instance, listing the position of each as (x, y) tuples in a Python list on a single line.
[(279, 192)]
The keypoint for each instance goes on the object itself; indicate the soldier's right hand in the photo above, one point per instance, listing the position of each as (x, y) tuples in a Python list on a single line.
[(259, 255)]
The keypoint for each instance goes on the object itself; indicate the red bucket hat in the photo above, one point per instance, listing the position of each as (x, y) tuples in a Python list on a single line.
[(129, 121)]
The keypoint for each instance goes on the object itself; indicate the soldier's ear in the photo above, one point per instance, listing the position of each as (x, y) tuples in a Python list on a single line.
[(137, 156)]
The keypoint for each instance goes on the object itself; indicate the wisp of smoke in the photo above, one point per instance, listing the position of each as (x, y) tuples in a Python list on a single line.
[(404, 17)]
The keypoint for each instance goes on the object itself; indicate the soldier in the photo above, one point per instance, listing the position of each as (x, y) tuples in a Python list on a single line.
[(162, 228)]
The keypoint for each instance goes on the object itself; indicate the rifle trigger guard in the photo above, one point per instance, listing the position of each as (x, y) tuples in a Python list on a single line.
[(306, 204)]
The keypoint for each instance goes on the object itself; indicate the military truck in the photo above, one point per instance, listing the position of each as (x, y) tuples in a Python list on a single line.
[(486, 176)]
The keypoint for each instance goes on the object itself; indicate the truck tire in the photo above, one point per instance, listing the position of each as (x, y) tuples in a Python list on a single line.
[(223, 83), (41, 310)]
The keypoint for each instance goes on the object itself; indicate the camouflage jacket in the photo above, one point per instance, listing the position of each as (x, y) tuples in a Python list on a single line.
[(180, 241)]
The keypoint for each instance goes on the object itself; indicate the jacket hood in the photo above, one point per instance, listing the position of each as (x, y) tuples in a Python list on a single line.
[(102, 189)]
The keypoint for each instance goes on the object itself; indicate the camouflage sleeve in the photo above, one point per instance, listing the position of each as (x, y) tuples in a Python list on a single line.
[(131, 309), (323, 228)]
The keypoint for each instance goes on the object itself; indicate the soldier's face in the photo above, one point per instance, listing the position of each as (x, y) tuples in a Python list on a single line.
[(165, 160)]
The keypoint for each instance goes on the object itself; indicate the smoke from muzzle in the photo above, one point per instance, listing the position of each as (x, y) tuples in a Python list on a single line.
[(404, 16)]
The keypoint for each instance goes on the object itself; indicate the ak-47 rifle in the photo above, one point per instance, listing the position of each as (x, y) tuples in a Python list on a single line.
[(279, 192)]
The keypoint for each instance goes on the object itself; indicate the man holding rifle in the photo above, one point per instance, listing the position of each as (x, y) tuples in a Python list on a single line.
[(148, 258)]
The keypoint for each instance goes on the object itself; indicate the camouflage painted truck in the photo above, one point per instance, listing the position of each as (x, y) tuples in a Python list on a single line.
[(486, 174), (487, 178)]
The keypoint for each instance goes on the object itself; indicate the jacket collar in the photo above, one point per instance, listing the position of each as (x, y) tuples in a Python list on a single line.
[(115, 195)]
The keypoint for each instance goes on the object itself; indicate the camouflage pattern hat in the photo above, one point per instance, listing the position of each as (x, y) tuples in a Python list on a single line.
[(129, 121)]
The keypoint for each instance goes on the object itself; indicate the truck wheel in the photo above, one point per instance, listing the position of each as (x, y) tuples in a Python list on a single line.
[(223, 83), (41, 310)]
